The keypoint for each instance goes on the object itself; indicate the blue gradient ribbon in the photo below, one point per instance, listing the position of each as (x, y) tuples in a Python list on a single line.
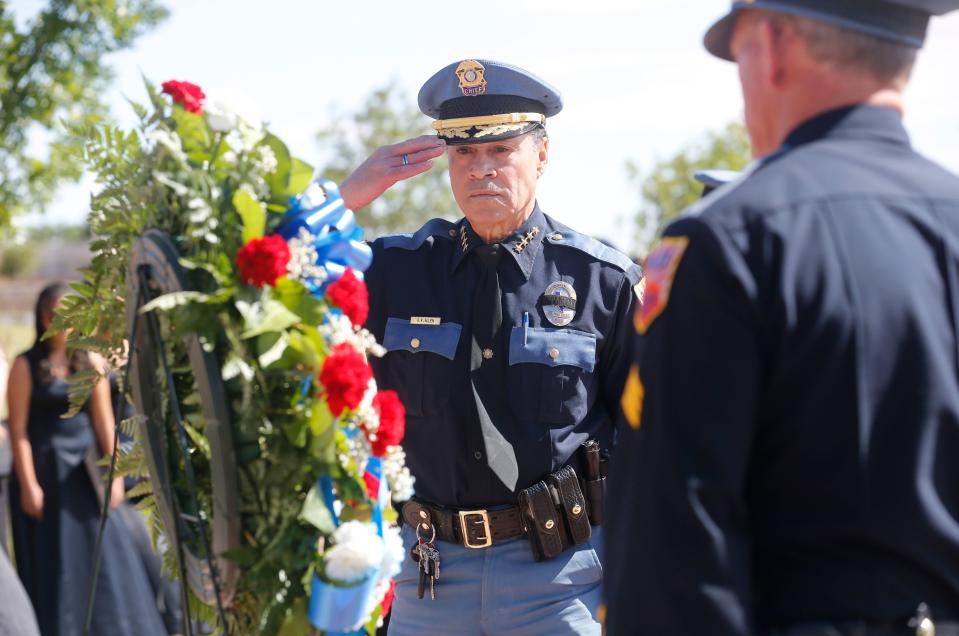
[(339, 240)]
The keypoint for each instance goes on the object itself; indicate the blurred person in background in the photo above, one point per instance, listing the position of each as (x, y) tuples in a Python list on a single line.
[(54, 505)]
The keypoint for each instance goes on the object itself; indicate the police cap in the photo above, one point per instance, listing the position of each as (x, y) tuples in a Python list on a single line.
[(712, 179), (902, 21), (477, 101)]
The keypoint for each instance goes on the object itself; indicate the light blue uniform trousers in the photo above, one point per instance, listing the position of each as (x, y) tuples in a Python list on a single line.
[(502, 590)]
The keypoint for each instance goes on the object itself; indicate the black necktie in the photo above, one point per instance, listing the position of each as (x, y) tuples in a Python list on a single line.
[(488, 365)]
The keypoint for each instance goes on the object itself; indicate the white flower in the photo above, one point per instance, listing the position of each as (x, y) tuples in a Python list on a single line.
[(357, 552), (339, 329), (165, 139), (397, 474), (366, 414), (267, 159), (302, 265), (393, 552), (219, 117), (312, 197)]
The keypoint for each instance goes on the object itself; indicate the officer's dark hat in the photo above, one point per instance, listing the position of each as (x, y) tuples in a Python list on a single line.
[(902, 21), (478, 101), (712, 179)]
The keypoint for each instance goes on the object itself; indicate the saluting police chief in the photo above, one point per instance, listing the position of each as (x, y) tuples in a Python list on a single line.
[(506, 334), (795, 468)]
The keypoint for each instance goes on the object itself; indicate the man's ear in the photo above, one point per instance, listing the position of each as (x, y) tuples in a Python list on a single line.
[(777, 41), (543, 156)]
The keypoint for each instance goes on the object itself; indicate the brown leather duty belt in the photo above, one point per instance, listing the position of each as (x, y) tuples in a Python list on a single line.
[(470, 528)]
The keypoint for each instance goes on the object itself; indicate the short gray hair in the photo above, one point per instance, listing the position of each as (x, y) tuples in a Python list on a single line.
[(539, 134), (848, 50)]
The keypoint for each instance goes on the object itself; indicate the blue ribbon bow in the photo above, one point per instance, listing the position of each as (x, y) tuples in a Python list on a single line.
[(339, 240)]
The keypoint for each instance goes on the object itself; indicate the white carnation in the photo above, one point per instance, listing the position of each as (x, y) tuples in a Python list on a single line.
[(357, 552), (393, 552), (219, 117)]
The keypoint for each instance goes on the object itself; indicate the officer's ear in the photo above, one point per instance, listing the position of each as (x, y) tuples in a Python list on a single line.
[(542, 156)]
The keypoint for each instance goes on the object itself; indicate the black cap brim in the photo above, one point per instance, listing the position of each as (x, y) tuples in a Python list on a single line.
[(720, 34)]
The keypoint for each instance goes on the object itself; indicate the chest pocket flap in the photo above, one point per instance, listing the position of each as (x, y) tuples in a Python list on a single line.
[(440, 339), (553, 347)]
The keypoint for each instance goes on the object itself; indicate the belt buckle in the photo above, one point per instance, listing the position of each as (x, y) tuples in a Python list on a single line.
[(462, 515)]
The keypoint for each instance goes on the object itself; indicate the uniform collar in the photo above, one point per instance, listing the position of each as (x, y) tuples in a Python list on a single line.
[(524, 244), (860, 121)]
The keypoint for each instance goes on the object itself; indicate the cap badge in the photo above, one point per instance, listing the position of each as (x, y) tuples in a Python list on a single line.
[(559, 303), (472, 77)]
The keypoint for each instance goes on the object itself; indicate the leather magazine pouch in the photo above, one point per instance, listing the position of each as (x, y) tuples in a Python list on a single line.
[(544, 527), (595, 490), (572, 504)]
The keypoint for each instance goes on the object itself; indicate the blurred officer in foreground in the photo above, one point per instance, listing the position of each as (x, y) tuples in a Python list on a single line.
[(796, 394), (507, 341)]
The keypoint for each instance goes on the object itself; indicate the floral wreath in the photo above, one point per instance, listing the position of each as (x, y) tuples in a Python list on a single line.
[(274, 262)]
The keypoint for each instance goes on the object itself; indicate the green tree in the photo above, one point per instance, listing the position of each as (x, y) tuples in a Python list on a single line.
[(669, 188), (388, 117), (52, 72)]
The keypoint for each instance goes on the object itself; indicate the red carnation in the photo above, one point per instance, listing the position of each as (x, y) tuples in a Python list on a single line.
[(392, 421), (263, 260), (188, 95), (387, 601), (349, 294), (345, 376)]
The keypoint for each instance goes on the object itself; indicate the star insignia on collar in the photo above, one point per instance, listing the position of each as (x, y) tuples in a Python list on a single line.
[(519, 247), (464, 239)]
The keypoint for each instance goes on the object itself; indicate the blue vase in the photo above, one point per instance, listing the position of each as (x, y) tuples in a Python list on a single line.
[(336, 609)]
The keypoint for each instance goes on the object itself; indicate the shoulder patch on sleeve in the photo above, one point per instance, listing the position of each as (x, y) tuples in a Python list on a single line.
[(597, 250), (434, 227), (660, 269)]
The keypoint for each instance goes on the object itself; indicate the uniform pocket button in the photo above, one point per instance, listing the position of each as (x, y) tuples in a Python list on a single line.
[(415, 343), (553, 353)]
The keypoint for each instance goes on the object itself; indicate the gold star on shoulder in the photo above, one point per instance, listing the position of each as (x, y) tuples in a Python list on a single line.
[(519, 247)]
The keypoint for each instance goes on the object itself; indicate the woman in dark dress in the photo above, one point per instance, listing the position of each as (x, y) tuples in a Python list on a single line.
[(56, 522)]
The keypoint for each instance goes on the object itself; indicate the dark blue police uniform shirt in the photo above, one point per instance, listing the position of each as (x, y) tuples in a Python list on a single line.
[(797, 457), (554, 403)]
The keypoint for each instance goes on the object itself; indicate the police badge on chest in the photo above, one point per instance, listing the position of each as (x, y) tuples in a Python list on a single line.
[(559, 303)]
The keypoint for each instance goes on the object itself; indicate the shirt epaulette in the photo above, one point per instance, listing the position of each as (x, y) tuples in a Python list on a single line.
[(597, 250), (434, 227)]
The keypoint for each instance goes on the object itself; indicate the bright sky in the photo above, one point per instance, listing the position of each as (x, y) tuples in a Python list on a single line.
[(635, 79)]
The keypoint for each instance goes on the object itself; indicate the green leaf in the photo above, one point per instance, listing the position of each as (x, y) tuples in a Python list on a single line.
[(269, 316), (273, 345), (320, 418), (296, 431), (279, 179), (301, 174), (192, 130), (316, 513), (252, 212), (304, 346), (166, 302), (296, 622), (289, 292)]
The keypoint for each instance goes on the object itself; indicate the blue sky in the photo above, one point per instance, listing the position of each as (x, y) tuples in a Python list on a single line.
[(635, 80)]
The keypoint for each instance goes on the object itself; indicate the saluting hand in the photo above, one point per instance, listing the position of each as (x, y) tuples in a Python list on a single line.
[(386, 166)]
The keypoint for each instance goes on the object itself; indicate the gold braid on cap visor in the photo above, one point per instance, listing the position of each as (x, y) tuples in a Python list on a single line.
[(485, 125)]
